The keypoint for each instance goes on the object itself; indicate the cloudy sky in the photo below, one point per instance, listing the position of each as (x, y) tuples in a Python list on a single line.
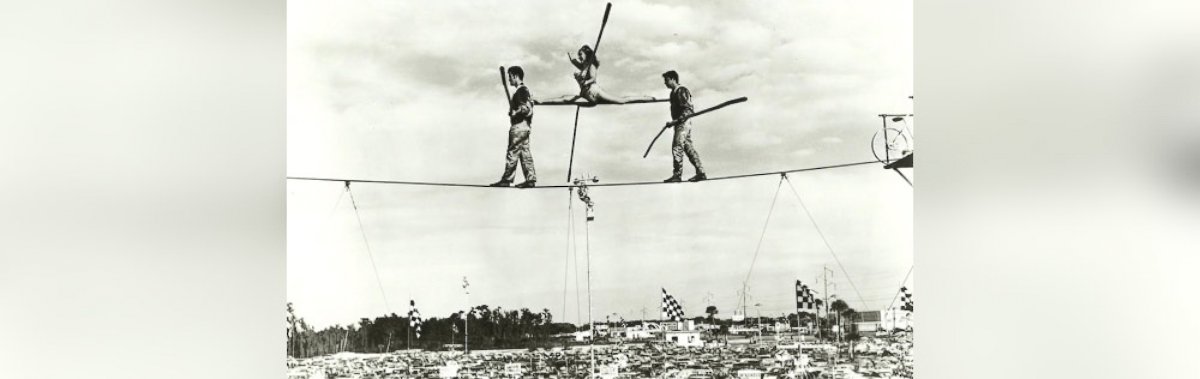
[(410, 91)]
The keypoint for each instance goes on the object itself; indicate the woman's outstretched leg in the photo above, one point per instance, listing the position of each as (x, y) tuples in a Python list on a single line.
[(605, 97), (564, 98)]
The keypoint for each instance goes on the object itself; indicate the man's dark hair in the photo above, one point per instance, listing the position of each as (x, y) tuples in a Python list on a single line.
[(516, 70), (671, 75)]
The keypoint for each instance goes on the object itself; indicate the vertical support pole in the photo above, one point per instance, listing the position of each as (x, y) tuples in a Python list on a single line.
[(886, 141)]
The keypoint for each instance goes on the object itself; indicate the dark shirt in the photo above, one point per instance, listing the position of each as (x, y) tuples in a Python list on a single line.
[(681, 102), (521, 106)]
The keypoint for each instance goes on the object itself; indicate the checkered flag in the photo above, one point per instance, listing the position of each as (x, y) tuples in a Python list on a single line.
[(908, 300), (670, 307), (806, 301), (414, 318)]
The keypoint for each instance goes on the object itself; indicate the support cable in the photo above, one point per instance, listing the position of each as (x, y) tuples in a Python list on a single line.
[(902, 282), (575, 257), (591, 324), (826, 241), (368, 245), (567, 256), (339, 202), (761, 236), (897, 170)]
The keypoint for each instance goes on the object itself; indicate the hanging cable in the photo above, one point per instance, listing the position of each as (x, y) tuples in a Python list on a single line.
[(339, 202), (362, 230), (575, 257), (587, 245), (902, 283), (770, 211), (567, 256), (826, 241)]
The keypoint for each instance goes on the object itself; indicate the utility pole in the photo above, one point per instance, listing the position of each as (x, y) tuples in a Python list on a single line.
[(467, 317), (825, 293), (408, 322), (825, 275), (743, 294)]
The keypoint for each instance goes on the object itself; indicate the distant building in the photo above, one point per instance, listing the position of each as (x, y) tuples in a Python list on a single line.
[(781, 326), (745, 330), (895, 318), (636, 332), (583, 335), (678, 325), (868, 321), (684, 338)]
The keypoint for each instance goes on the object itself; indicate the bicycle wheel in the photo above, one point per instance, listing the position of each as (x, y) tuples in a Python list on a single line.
[(895, 147)]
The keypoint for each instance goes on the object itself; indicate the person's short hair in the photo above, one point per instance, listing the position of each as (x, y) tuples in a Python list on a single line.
[(671, 75), (516, 70)]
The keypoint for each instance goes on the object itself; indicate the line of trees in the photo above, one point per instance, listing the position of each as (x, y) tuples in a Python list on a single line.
[(840, 313), (489, 328)]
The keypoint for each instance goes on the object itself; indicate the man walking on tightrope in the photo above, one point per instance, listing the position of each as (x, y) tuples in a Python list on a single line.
[(681, 110), (520, 115)]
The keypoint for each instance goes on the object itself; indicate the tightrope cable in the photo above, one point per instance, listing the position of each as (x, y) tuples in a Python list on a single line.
[(468, 185)]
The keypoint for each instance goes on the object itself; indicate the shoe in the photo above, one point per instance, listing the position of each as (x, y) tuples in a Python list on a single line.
[(673, 179), (698, 177), (528, 184), (502, 183)]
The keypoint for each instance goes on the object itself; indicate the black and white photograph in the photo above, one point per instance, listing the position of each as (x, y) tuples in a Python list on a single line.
[(599, 189), (591, 189)]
